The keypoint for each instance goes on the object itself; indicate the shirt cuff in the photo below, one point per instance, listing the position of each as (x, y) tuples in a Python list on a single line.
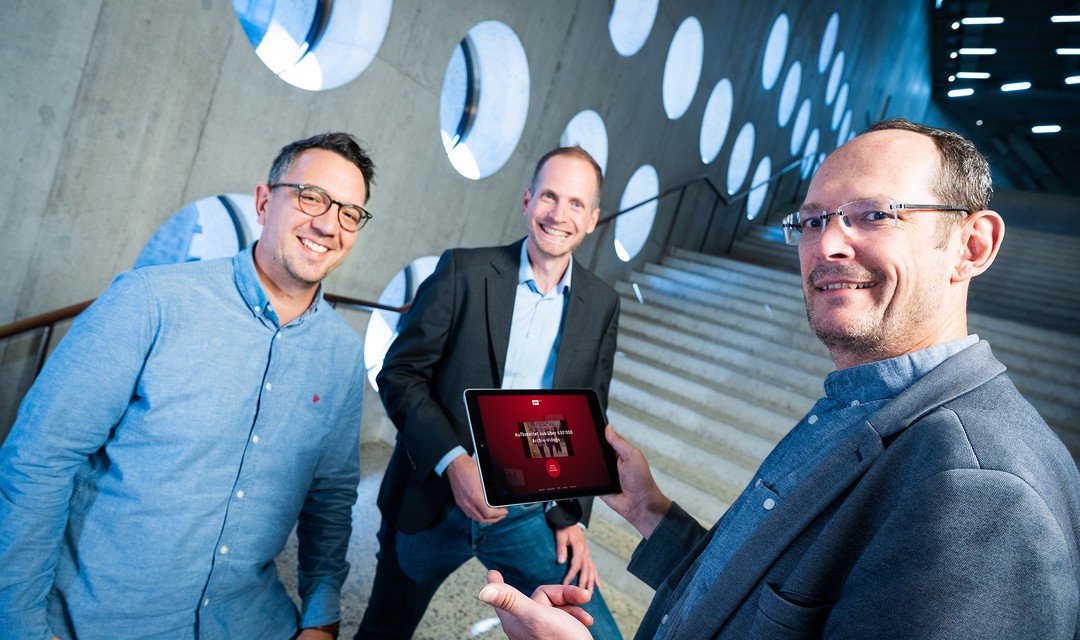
[(445, 461)]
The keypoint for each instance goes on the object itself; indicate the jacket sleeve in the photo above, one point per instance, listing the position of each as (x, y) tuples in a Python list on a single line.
[(68, 415), (406, 381), (660, 558)]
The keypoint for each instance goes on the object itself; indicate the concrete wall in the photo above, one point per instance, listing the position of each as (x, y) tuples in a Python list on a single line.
[(118, 113)]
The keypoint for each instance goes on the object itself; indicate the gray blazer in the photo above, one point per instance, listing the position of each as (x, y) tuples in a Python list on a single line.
[(954, 513), (455, 337)]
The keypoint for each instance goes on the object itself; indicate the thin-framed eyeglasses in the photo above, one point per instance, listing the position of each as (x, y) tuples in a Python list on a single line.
[(861, 217), (314, 202)]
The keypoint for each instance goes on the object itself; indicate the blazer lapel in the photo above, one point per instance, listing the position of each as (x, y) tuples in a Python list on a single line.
[(500, 287), (577, 309)]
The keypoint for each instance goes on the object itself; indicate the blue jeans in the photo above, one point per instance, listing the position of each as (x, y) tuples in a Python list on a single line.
[(412, 566)]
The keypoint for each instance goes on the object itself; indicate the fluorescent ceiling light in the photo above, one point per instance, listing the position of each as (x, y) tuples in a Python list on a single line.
[(1072, 80), (973, 75), (982, 20), (960, 93), (1046, 128), (1069, 51), (1015, 86), (1065, 19), (979, 51)]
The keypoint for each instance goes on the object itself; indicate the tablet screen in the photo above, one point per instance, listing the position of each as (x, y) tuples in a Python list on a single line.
[(536, 445)]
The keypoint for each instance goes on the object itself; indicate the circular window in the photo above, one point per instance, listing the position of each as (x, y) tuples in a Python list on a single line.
[(810, 153), (311, 46), (382, 327), (633, 227), (630, 24), (587, 130), (683, 68), (834, 78), (828, 42), (845, 129), (802, 123), (742, 152), (716, 121), (484, 100), (759, 189), (790, 93), (215, 227), (775, 50), (841, 104)]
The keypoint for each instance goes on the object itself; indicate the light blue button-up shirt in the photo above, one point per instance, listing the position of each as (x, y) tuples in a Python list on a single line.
[(851, 396), (164, 455), (534, 336)]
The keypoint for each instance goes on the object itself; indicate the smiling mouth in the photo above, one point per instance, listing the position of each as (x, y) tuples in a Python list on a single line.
[(554, 232), (847, 285), (317, 248)]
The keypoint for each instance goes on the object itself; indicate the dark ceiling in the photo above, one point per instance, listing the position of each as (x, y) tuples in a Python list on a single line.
[(1026, 44)]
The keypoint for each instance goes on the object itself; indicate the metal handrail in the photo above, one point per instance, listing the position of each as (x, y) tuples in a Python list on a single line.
[(47, 321), (718, 197)]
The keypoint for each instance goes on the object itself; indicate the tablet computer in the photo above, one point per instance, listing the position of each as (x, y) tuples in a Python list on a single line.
[(536, 445)]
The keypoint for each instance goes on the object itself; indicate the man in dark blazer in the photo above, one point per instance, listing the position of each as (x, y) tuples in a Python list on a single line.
[(922, 497), (520, 316)]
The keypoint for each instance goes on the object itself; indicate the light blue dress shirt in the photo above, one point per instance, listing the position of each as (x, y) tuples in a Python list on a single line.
[(534, 336), (851, 396), (164, 455)]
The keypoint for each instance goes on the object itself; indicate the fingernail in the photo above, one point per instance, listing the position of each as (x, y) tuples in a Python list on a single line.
[(488, 594)]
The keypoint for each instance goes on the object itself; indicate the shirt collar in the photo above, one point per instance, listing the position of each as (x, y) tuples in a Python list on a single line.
[(251, 289), (526, 274), (887, 378)]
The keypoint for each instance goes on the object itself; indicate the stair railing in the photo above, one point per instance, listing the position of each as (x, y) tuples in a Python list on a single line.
[(718, 198)]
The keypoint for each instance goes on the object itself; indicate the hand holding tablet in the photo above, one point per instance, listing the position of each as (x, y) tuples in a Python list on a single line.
[(537, 445)]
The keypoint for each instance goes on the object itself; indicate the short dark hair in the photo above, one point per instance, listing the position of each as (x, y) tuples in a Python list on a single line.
[(964, 178), (343, 144), (573, 152)]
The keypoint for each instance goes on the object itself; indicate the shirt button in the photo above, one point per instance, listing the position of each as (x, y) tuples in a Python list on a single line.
[(255, 439), (256, 309), (664, 619), (224, 549), (206, 603), (812, 419), (269, 386), (240, 493), (854, 403), (769, 504)]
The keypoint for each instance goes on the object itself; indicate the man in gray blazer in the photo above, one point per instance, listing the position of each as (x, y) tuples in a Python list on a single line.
[(520, 316), (922, 497)]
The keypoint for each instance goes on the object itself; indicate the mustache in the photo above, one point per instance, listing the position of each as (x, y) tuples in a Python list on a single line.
[(841, 272)]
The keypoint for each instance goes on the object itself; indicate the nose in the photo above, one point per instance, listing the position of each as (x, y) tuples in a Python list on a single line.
[(328, 224), (836, 238)]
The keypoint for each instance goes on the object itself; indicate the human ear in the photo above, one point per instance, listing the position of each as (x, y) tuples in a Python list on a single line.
[(981, 235), (262, 199)]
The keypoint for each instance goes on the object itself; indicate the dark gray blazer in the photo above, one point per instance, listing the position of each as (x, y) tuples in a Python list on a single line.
[(954, 513), (455, 337)]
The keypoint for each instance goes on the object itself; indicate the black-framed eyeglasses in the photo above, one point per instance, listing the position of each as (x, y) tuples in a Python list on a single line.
[(861, 217), (314, 202)]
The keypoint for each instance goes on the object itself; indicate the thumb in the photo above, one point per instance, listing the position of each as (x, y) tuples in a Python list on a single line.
[(500, 595)]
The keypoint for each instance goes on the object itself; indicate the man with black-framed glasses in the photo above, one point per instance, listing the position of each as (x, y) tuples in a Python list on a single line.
[(922, 497), (190, 419)]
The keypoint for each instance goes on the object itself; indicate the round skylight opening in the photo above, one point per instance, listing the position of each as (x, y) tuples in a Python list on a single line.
[(630, 24), (759, 188), (845, 128), (835, 76), (484, 100), (632, 228), (802, 123), (775, 50), (215, 227), (315, 44), (382, 327), (841, 104), (682, 71), (716, 121), (587, 130), (828, 42), (742, 153), (810, 154), (789, 95)]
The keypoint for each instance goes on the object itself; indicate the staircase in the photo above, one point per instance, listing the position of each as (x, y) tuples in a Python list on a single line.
[(716, 362)]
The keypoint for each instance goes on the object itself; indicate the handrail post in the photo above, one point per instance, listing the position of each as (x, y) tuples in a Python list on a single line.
[(43, 348), (600, 243), (674, 221)]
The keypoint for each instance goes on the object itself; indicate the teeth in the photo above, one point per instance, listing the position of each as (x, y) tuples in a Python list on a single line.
[(317, 248), (553, 232), (847, 285)]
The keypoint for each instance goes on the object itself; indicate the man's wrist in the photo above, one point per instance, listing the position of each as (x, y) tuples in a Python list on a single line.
[(333, 628)]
